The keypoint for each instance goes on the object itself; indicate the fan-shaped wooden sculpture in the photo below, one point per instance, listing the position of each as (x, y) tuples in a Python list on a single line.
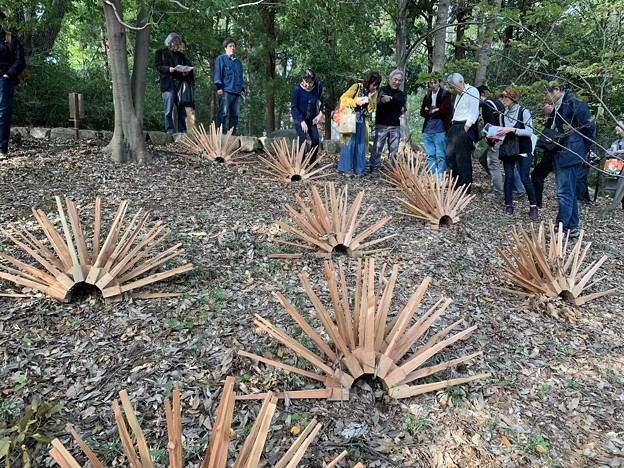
[(436, 201), (288, 164), (214, 146), (217, 453), (65, 259), (363, 341), (541, 267), (329, 225)]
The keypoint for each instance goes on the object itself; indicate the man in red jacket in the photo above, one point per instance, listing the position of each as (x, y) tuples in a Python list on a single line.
[(436, 108)]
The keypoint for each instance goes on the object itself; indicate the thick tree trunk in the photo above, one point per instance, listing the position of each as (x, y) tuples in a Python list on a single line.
[(128, 142), (402, 53), (439, 47), (482, 56)]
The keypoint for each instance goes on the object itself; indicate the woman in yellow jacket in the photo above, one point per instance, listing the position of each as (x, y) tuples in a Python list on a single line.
[(362, 97)]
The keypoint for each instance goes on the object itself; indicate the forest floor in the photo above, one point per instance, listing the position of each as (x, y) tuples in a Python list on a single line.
[(555, 397)]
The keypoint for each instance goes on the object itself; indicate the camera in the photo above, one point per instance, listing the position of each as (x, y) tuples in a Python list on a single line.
[(592, 159)]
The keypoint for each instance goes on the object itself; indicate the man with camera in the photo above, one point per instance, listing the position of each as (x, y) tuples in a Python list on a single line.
[(570, 119)]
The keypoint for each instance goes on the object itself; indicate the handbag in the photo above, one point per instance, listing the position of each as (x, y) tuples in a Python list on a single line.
[(510, 147), (347, 122), (186, 94), (550, 139)]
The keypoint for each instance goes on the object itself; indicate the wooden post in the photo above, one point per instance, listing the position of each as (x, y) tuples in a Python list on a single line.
[(76, 111)]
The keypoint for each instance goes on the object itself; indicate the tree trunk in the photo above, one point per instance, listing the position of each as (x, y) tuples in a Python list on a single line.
[(128, 142), (268, 12), (402, 54), (482, 56), (462, 15), (48, 19), (439, 47)]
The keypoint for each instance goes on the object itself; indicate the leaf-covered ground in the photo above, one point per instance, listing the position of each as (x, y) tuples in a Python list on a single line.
[(556, 393)]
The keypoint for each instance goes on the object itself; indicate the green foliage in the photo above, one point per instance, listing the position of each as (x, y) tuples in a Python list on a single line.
[(23, 436), (415, 424)]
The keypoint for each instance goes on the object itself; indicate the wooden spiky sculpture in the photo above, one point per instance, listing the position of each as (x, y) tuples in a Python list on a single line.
[(213, 146), (363, 340), (66, 261), (329, 225), (217, 452), (436, 201), (288, 164), (541, 267)]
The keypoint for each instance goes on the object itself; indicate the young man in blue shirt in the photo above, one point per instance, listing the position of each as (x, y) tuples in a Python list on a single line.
[(228, 80)]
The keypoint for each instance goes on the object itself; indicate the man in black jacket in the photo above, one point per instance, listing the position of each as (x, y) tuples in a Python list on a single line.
[(391, 103), (12, 63), (167, 59)]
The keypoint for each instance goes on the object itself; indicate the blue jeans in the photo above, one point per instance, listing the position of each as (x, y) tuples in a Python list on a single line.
[(7, 89), (565, 178), (353, 151), (522, 167), (170, 99), (435, 147), (229, 106), (392, 135), (314, 137)]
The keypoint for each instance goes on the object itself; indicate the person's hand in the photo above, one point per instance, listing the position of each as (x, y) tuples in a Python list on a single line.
[(361, 101), (435, 109), (504, 131), (171, 70), (548, 108), (466, 128), (220, 92), (304, 127), (318, 118), (386, 99)]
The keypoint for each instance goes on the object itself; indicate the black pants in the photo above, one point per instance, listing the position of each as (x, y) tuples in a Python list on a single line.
[(539, 174), (459, 148)]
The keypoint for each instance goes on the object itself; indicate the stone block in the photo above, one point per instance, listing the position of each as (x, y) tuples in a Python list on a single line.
[(107, 135), (63, 133), (330, 146), (159, 138), (250, 144), (40, 133), (290, 133), (21, 131)]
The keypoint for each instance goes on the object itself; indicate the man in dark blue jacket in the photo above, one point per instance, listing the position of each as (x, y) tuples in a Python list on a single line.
[(12, 63), (228, 80), (572, 118)]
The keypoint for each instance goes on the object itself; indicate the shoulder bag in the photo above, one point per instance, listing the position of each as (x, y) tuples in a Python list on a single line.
[(186, 94)]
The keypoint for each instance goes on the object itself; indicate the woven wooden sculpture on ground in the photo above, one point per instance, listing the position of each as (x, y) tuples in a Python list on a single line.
[(214, 146), (66, 261), (542, 267), (329, 225), (217, 453), (288, 164), (428, 198), (363, 341)]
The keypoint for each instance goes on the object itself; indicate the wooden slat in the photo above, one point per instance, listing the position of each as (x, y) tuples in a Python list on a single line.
[(146, 459), (84, 447)]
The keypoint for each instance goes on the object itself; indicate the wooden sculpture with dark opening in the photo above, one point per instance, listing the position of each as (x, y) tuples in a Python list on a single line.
[(286, 164), (327, 224), (364, 340), (214, 145), (434, 200), (542, 266), (69, 258), (217, 453)]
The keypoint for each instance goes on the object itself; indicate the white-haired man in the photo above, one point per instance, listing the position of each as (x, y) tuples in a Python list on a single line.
[(463, 131), (391, 103)]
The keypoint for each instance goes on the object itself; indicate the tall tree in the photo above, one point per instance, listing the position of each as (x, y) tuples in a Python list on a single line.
[(128, 143), (482, 55), (439, 48)]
